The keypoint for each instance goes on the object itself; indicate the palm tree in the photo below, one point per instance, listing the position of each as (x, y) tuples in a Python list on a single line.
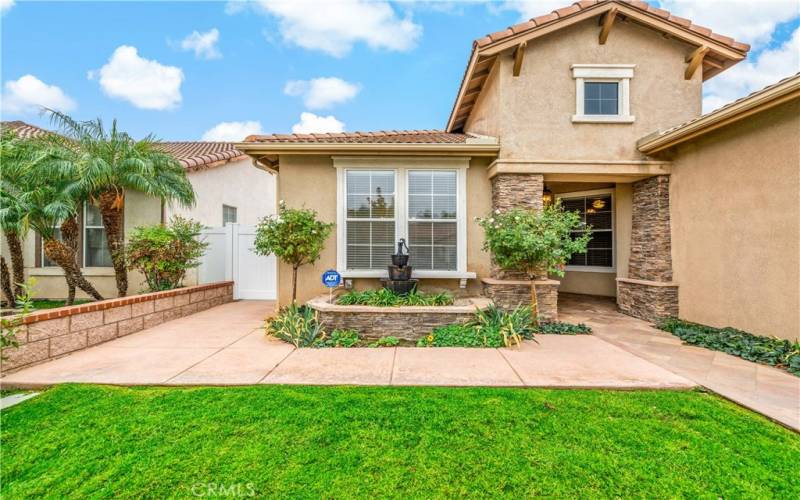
[(12, 223), (110, 162), (45, 204)]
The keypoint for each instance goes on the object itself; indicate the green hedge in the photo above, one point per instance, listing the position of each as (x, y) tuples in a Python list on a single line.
[(768, 350)]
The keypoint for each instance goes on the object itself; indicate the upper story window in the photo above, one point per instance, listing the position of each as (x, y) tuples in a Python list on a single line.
[(384, 200), (602, 93)]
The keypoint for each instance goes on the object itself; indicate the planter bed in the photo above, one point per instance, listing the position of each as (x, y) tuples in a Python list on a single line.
[(407, 323)]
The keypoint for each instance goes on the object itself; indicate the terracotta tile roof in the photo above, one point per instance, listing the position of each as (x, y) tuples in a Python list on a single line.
[(771, 92), (197, 154), (378, 137), (24, 130), (579, 6)]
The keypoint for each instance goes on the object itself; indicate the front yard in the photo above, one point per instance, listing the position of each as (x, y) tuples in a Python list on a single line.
[(401, 441)]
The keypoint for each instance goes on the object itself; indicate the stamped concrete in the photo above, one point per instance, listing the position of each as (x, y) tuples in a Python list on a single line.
[(767, 390)]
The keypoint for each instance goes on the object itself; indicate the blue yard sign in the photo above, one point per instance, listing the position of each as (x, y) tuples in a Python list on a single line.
[(331, 278)]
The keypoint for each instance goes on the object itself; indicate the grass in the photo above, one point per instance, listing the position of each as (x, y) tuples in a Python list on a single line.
[(52, 304), (310, 442)]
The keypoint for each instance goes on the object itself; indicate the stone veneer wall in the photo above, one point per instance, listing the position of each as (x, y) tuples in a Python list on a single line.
[(648, 292), (509, 295), (408, 323), (51, 333), (515, 191)]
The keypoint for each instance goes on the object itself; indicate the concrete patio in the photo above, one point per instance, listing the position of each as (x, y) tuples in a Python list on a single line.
[(226, 345)]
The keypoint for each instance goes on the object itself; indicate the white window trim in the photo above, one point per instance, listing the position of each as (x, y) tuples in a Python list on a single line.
[(401, 166), (595, 192), (619, 73)]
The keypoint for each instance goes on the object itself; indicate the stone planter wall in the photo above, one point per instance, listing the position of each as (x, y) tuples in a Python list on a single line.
[(51, 333), (647, 300), (408, 323), (509, 295)]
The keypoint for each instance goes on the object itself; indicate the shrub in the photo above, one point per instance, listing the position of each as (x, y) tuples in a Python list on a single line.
[(338, 338), (388, 298), (163, 253), (561, 328), (296, 325), (768, 350), (389, 341), (492, 327), (9, 326), (294, 236)]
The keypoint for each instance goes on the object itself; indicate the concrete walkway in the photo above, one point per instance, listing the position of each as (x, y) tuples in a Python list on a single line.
[(226, 346), (769, 391)]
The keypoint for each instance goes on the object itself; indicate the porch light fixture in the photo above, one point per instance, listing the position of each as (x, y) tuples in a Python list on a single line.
[(547, 196), (599, 204)]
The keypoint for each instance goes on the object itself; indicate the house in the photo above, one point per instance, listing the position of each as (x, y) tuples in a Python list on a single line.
[(582, 104), (221, 177)]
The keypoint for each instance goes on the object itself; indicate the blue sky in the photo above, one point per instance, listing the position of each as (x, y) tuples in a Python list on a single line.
[(261, 66)]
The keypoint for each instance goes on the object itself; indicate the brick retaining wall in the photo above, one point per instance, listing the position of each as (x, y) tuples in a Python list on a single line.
[(51, 333)]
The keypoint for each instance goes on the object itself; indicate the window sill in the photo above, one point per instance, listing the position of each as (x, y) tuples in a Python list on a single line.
[(414, 275), (591, 269), (602, 119)]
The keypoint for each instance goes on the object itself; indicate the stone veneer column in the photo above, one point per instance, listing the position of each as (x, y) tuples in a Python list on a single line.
[(648, 292), (509, 288)]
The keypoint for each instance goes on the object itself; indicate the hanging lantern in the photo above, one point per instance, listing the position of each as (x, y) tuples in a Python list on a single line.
[(599, 204), (547, 196)]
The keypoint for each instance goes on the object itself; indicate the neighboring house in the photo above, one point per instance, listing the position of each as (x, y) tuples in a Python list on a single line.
[(218, 173), (700, 220)]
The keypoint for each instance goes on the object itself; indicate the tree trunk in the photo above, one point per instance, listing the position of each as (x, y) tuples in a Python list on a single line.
[(294, 284), (70, 235), (5, 284), (534, 303), (61, 254), (111, 207), (17, 261)]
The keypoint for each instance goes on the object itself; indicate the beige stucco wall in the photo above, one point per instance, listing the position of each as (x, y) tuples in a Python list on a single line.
[(598, 283), (238, 184), (735, 208), (532, 113), (310, 181), (139, 210)]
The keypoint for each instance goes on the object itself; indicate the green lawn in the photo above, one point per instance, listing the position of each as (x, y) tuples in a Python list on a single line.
[(52, 304), (308, 442)]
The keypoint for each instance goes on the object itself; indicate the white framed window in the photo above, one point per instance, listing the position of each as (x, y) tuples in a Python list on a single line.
[(422, 200), (95, 244), (597, 210), (228, 215), (602, 93)]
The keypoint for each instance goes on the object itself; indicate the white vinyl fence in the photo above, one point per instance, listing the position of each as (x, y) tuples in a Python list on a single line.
[(230, 257)]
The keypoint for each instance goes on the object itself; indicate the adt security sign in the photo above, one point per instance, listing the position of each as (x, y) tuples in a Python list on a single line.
[(331, 278)]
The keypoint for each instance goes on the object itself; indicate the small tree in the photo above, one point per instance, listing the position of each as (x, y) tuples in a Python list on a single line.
[(295, 236), (163, 254), (531, 240)]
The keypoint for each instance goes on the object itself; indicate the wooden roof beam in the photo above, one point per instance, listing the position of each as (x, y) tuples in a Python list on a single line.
[(519, 56), (694, 60), (607, 22)]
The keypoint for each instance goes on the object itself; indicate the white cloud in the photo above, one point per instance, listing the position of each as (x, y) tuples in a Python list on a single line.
[(311, 123), (320, 93), (204, 45), (6, 4), (747, 76), (232, 131), (745, 20), (29, 94), (145, 83), (532, 8), (334, 27)]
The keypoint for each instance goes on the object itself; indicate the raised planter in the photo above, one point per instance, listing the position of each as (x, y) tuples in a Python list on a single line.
[(408, 323), (509, 294), (51, 333)]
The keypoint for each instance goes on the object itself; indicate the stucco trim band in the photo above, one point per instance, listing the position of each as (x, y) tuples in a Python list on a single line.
[(585, 167)]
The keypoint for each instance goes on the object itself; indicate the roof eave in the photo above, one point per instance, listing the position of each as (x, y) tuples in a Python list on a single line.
[(757, 103), (260, 149)]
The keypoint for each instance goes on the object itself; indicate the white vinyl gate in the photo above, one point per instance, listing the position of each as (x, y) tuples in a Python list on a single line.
[(230, 257)]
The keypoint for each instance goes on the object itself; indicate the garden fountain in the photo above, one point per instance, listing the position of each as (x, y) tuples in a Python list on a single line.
[(400, 280)]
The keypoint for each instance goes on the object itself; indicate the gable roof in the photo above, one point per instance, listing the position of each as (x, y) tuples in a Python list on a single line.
[(760, 100), (377, 137), (723, 51), (192, 155)]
